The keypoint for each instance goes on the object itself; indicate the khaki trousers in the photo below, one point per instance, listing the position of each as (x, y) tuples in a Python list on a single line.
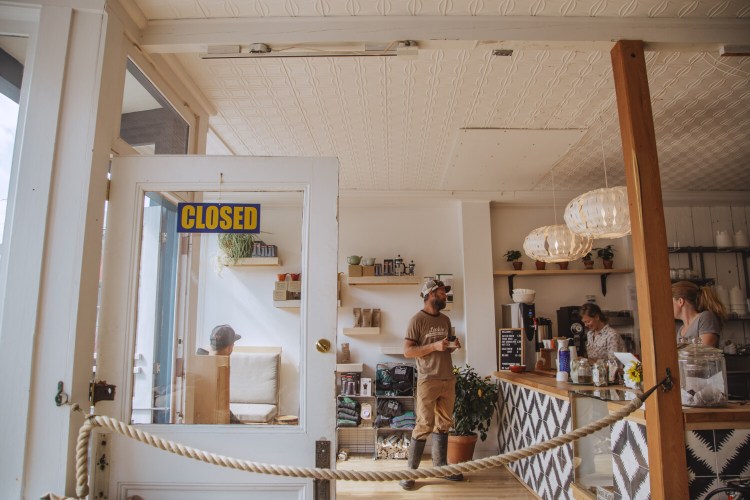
[(435, 399)]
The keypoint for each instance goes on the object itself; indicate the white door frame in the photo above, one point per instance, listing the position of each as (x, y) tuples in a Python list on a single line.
[(137, 468)]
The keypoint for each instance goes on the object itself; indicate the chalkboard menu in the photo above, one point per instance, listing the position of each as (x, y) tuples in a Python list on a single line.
[(510, 347)]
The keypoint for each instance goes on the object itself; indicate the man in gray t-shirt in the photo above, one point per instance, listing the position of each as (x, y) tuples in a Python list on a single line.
[(430, 342)]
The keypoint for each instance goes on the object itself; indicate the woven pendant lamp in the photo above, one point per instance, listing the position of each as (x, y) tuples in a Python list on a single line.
[(601, 213), (556, 243)]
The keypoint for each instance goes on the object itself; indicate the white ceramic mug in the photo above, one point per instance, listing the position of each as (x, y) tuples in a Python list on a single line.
[(740, 239), (723, 239)]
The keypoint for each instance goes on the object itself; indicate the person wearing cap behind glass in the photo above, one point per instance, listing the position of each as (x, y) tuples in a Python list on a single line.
[(427, 341), (222, 341)]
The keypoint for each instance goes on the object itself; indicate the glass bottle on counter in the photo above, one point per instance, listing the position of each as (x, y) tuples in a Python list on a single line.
[(703, 375), (599, 373), (580, 371), (613, 370)]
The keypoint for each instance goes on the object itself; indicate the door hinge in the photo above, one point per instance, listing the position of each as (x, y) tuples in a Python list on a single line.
[(109, 186), (163, 237), (100, 469), (101, 391)]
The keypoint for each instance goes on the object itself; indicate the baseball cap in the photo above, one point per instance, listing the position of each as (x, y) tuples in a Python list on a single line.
[(222, 336), (432, 285)]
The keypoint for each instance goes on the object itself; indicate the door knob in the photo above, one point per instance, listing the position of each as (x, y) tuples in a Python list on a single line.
[(323, 345)]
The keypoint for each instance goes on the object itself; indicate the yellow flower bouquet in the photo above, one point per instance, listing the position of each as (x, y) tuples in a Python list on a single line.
[(634, 374)]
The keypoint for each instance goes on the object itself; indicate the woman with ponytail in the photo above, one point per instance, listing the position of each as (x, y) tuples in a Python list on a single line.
[(701, 312)]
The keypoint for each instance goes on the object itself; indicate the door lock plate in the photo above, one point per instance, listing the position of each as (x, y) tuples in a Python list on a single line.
[(101, 391)]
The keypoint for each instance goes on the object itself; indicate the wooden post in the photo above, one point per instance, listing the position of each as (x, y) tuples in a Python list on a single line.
[(664, 422)]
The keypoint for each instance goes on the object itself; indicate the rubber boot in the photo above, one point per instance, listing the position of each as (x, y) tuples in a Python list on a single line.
[(416, 448), (440, 454)]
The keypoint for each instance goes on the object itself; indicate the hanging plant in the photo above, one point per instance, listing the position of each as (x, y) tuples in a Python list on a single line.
[(236, 245)]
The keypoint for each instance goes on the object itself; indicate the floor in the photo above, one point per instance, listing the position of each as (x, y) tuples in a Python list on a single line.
[(488, 484)]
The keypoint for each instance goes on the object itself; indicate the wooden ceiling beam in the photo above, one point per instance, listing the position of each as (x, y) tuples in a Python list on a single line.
[(196, 35), (664, 421)]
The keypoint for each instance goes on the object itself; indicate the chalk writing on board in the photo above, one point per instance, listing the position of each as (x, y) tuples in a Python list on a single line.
[(510, 347)]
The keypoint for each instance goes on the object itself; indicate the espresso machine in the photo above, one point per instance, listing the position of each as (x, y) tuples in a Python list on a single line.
[(520, 315), (570, 325)]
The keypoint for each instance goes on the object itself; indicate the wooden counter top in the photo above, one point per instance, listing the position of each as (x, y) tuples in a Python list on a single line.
[(541, 382)]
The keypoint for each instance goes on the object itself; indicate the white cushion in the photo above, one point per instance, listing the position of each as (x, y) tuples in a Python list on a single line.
[(252, 412), (254, 378)]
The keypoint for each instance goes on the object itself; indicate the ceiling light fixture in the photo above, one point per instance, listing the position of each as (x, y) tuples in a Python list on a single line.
[(601, 213), (405, 48), (555, 243)]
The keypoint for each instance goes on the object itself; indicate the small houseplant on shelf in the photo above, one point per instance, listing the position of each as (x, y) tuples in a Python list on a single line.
[(540, 265), (607, 254), (512, 256), (235, 246), (588, 261), (476, 403)]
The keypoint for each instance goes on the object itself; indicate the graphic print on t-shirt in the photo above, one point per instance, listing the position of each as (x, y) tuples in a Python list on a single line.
[(436, 333)]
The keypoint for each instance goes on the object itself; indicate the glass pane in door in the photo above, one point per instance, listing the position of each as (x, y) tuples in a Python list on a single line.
[(218, 330)]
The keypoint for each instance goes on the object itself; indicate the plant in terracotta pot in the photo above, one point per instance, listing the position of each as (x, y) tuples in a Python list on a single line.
[(563, 265), (607, 254), (512, 256), (588, 261), (540, 265), (476, 404)]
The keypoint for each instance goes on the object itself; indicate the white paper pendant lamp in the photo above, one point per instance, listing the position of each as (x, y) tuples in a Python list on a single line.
[(601, 213), (556, 244)]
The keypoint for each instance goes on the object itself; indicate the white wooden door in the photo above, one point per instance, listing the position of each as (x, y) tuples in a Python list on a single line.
[(137, 470)]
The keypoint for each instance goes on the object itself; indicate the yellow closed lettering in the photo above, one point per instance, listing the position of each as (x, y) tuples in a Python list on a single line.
[(225, 212), (199, 224), (188, 216), (251, 218), (212, 216)]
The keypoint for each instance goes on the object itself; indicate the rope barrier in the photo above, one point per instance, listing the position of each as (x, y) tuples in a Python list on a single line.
[(133, 432)]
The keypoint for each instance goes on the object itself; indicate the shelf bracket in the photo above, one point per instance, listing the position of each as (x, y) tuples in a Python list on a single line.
[(603, 279), (510, 284)]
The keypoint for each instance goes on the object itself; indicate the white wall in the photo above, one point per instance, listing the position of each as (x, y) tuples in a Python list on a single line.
[(243, 298), (426, 232)]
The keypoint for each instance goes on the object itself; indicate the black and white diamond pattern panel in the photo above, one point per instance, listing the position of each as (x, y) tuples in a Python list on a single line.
[(527, 418), (630, 460), (715, 456)]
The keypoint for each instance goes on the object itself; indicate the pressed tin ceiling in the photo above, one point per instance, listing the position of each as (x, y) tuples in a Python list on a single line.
[(393, 121)]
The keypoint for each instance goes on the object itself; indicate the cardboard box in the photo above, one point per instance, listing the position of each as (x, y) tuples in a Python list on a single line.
[(368, 270), (355, 271), (294, 286), (281, 286), (279, 295)]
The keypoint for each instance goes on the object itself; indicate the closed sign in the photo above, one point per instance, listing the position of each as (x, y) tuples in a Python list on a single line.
[(218, 218)]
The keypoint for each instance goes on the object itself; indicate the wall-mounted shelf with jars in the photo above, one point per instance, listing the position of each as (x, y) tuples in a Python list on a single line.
[(383, 280), (602, 273), (250, 261), (744, 251)]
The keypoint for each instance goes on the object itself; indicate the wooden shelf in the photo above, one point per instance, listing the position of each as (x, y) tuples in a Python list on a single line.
[(602, 273), (287, 304), (250, 262), (355, 332), (383, 280), (393, 350), (349, 367)]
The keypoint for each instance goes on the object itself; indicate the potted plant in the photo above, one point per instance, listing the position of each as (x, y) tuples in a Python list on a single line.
[(540, 265), (236, 246), (563, 265), (512, 256), (476, 403), (588, 261), (606, 254)]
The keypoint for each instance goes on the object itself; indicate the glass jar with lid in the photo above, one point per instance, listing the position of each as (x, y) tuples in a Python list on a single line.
[(703, 375), (580, 371), (599, 373)]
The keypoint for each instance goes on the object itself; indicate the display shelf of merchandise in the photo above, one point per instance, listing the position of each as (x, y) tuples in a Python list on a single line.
[(602, 273), (250, 261), (349, 367), (287, 304), (357, 439), (744, 251), (362, 330), (383, 280)]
